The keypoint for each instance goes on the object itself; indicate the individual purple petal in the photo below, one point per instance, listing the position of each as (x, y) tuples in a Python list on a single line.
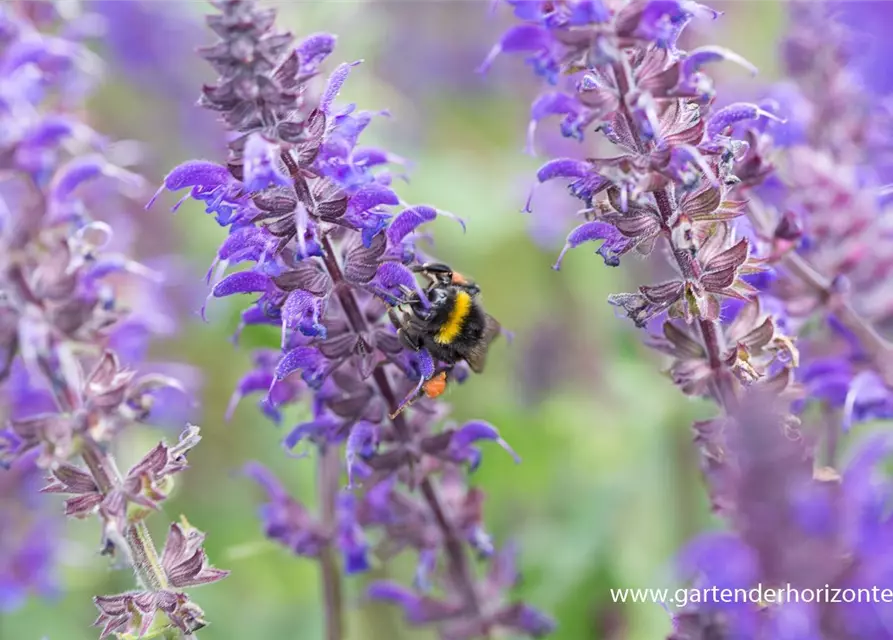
[(245, 243), (426, 368), (615, 244), (252, 382), (80, 170), (425, 568), (265, 478), (425, 364), (334, 84), (555, 103), (417, 609), (242, 282), (563, 168), (527, 620), (523, 37), (316, 430), (867, 398), (697, 58), (313, 49), (392, 277), (408, 221), (660, 18), (370, 196), (372, 156), (684, 154), (394, 593), (476, 430), (303, 310), (727, 116), (308, 360), (195, 173), (361, 444)]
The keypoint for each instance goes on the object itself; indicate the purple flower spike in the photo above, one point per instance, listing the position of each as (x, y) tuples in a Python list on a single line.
[(76, 311), (332, 254)]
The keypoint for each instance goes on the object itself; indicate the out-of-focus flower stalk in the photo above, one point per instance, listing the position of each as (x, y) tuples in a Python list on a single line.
[(64, 296), (678, 181)]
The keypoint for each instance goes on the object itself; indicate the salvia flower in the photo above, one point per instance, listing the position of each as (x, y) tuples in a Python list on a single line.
[(794, 522), (673, 184), (831, 157), (759, 256), (65, 289), (325, 245)]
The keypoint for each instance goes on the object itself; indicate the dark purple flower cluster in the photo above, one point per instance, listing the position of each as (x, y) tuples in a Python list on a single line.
[(67, 294), (328, 247), (762, 257), (673, 182), (830, 157)]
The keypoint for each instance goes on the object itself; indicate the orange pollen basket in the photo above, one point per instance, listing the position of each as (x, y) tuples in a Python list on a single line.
[(435, 386)]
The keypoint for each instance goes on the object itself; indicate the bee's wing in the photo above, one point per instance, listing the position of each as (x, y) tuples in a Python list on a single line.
[(477, 356)]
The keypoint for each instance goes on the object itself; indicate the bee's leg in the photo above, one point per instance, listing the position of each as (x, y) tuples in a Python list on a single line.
[(408, 341), (411, 294), (432, 267), (394, 317)]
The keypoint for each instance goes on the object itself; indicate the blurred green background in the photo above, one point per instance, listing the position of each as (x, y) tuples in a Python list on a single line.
[(609, 486)]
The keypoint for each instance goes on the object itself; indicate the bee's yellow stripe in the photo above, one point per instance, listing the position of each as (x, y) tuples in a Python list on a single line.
[(450, 329)]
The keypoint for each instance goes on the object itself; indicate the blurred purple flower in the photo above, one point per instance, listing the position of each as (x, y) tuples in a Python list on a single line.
[(792, 524), (161, 58), (68, 290), (29, 532)]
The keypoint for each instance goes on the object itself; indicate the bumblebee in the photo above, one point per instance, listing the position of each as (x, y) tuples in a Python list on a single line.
[(450, 323)]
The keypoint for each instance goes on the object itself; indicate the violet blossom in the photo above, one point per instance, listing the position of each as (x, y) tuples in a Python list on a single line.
[(761, 257), (325, 245), (65, 289)]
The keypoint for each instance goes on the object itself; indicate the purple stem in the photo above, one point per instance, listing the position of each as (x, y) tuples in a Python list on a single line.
[(328, 480)]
